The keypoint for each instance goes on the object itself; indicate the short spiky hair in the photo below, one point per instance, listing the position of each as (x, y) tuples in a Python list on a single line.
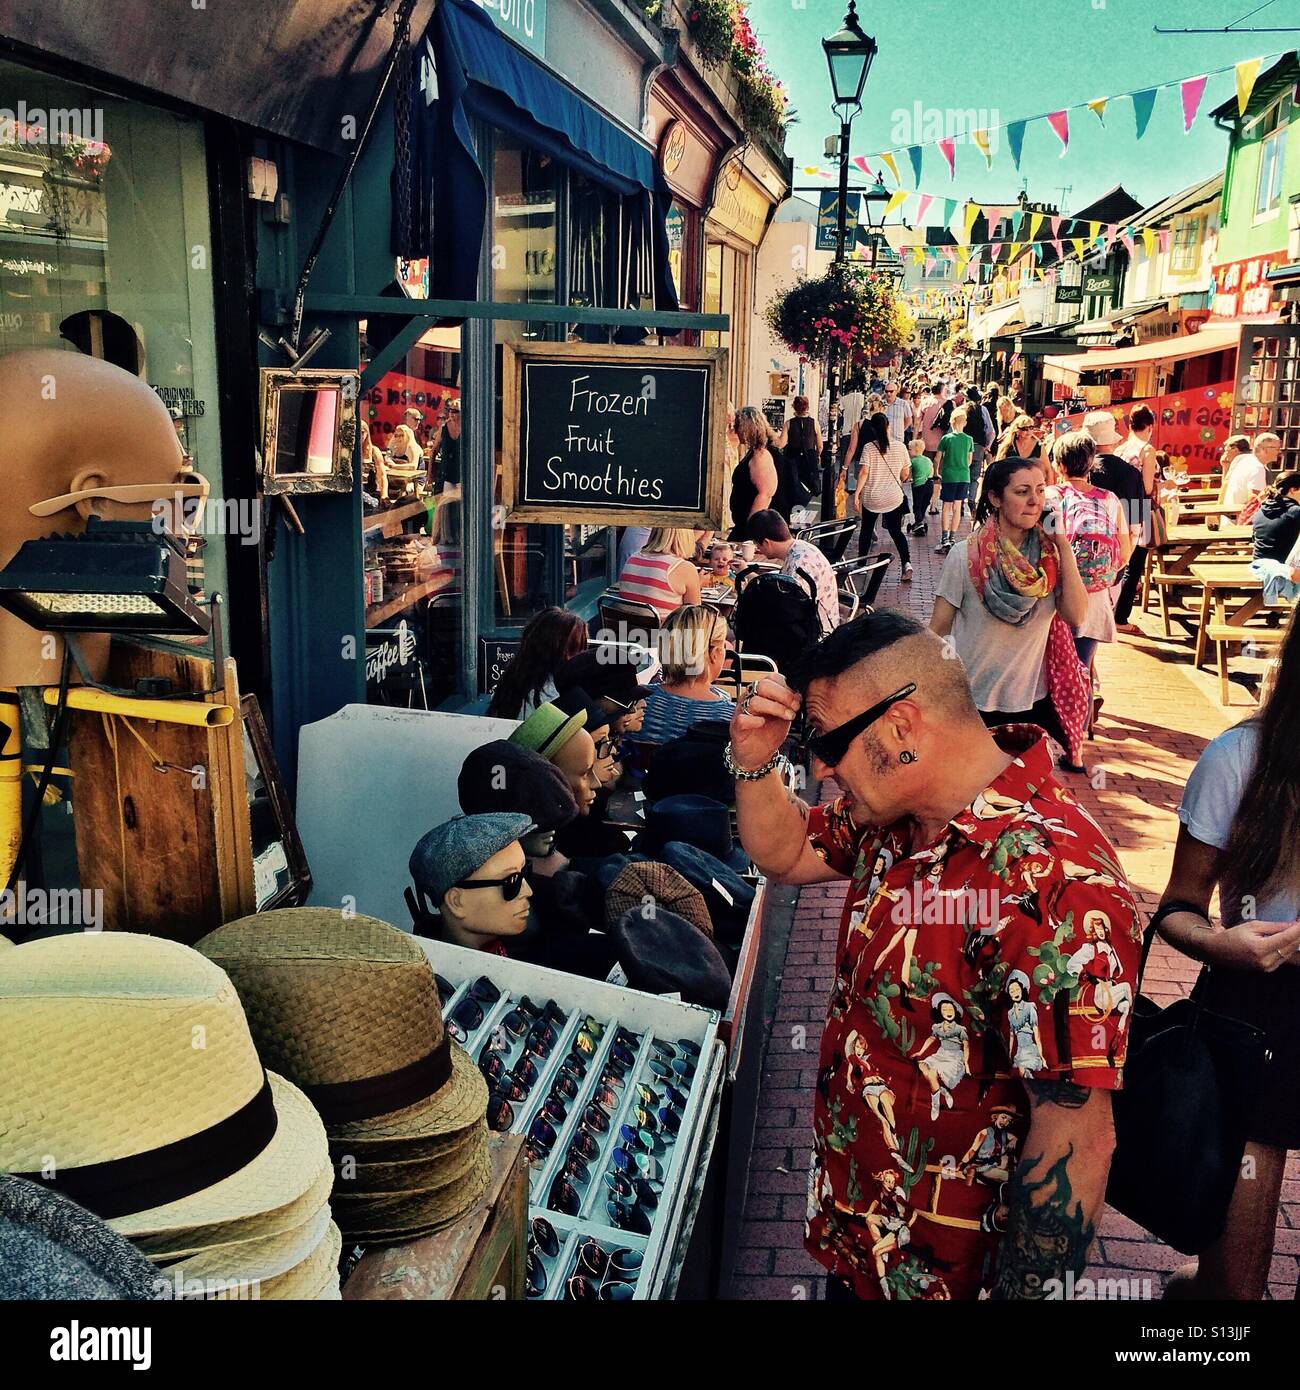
[(850, 643)]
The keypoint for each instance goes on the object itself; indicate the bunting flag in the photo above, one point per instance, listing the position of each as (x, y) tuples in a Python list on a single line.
[(1016, 140), (918, 254), (923, 202), (949, 210), (1143, 104), (1163, 235), (1016, 248), (972, 212), (1149, 241), (1192, 90), (948, 148), (1098, 108), (1079, 243), (888, 160), (1035, 221), (1246, 73), (1111, 232), (1127, 239), (864, 166), (1056, 246), (981, 138), (914, 154), (1017, 221), (1094, 230), (1056, 227), (896, 200), (1060, 123), (813, 170)]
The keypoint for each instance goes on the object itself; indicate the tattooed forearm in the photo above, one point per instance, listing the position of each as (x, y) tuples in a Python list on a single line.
[(1063, 1093), (1047, 1231)]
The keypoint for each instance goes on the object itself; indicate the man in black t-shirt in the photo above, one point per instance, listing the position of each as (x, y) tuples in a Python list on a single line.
[(1115, 474)]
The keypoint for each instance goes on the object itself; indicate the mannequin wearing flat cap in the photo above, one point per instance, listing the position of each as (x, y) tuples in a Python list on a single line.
[(76, 430), (565, 906), (611, 677), (472, 872), (590, 836)]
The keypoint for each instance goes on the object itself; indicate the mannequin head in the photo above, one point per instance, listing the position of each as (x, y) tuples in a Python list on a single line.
[(476, 916), (73, 424), (577, 760), (502, 776)]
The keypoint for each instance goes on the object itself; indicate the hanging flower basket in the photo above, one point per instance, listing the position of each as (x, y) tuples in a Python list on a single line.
[(712, 25), (852, 310)]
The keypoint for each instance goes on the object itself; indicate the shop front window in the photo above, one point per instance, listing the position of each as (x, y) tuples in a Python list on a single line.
[(106, 247), (676, 226), (411, 528), (723, 267)]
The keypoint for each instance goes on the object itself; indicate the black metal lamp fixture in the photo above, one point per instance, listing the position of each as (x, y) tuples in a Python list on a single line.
[(118, 576), (849, 55)]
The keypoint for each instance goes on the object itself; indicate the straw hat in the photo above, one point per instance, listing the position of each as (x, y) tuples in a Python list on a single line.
[(402, 1174), (348, 1007), (117, 1046), (250, 1259), (308, 1279)]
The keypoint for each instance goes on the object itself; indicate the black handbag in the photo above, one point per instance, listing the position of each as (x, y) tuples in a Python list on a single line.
[(1191, 1080)]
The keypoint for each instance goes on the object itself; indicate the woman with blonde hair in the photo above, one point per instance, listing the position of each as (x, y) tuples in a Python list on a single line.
[(661, 573), (694, 651), (406, 455), (1021, 439), (756, 479)]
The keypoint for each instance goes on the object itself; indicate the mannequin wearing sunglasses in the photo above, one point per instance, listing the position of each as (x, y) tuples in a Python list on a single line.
[(74, 428), (491, 903)]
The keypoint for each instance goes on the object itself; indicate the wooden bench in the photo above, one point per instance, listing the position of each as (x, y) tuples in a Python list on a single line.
[(1225, 635)]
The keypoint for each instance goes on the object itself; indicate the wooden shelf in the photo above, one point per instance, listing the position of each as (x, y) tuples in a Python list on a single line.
[(379, 613), (390, 523)]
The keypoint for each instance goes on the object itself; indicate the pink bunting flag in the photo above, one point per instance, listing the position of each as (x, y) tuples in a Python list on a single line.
[(923, 202), (863, 165), (948, 148), (1192, 90), (1056, 231), (1056, 245), (1060, 123), (1164, 235), (1128, 243), (1112, 231)]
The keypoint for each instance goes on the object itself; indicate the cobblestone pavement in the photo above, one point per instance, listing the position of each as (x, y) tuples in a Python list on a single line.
[(1157, 717)]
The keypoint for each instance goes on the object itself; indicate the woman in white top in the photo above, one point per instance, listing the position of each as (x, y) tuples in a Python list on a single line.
[(661, 573), (883, 466)]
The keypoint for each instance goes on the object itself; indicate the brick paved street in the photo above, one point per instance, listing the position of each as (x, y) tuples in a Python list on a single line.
[(1158, 716)]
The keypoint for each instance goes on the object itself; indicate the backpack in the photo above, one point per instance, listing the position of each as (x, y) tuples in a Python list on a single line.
[(776, 615), (1092, 536), (975, 425)]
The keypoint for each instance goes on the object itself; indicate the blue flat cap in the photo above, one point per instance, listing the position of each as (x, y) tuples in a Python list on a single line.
[(453, 850)]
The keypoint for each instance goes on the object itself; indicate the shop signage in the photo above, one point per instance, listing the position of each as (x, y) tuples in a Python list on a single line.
[(672, 148), (613, 435), (774, 411), (391, 664), (1098, 282), (1241, 289), (494, 655), (828, 220), (1190, 425), (523, 20), (740, 207), (1069, 294)]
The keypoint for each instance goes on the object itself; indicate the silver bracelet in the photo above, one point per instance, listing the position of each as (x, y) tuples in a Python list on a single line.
[(757, 775)]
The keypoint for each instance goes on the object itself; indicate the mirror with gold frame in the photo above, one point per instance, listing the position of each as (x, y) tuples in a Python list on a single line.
[(309, 430)]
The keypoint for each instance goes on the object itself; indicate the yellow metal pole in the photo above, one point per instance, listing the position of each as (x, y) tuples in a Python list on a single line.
[(192, 712), (11, 783)]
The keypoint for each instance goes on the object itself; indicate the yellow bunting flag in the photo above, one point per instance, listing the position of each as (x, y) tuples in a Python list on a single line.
[(1247, 72), (972, 212), (888, 161), (918, 254), (1098, 108), (896, 200), (981, 138), (1149, 241), (1079, 243), (1035, 221)]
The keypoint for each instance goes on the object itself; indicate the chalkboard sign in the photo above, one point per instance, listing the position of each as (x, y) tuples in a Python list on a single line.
[(494, 655), (774, 411), (613, 435)]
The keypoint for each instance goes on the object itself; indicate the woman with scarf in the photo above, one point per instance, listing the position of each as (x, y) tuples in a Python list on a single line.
[(1008, 599)]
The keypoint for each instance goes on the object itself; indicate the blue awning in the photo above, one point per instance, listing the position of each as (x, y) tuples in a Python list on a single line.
[(477, 72)]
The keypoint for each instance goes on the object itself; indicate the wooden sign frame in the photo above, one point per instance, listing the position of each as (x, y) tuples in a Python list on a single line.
[(515, 356)]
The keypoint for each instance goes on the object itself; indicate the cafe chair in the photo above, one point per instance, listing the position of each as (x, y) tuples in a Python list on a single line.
[(742, 670), (830, 537), (858, 582), (627, 620)]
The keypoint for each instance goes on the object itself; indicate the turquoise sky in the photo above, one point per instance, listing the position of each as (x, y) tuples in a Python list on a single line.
[(1017, 58)]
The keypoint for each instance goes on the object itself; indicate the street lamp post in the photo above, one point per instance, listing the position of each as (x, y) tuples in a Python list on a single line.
[(849, 54)]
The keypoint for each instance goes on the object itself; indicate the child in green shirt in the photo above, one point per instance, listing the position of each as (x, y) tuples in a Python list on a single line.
[(955, 451)]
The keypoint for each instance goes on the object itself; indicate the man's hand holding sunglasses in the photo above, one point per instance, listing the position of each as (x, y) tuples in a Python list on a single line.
[(761, 723)]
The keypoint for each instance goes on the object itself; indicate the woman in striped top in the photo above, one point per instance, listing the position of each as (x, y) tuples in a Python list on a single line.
[(661, 573), (694, 652)]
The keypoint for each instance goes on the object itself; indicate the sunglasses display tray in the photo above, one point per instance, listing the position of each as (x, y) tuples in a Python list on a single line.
[(619, 1081)]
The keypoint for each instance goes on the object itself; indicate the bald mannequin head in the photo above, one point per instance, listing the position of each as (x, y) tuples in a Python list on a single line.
[(71, 423), (866, 661)]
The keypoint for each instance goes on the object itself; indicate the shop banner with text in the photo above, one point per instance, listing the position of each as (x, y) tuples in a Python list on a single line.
[(1190, 425)]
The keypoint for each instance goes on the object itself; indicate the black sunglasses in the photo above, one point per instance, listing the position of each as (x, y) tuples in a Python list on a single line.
[(509, 886), (832, 747)]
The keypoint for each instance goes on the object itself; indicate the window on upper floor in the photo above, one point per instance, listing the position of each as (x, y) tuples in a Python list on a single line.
[(1272, 130), (1185, 254)]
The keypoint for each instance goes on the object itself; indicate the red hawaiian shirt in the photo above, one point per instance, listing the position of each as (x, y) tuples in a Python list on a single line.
[(1008, 948)]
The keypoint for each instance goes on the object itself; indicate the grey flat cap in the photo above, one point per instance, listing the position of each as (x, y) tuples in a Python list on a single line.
[(453, 850)]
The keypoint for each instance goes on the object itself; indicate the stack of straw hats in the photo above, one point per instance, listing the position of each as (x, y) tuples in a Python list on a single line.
[(348, 1007), (132, 1086)]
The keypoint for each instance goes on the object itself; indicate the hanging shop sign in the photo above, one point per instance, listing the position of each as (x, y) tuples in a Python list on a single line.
[(1241, 289), (1069, 294), (1098, 282), (613, 435), (740, 207)]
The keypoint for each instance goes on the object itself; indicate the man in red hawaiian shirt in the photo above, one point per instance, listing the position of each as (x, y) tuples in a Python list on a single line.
[(987, 920)]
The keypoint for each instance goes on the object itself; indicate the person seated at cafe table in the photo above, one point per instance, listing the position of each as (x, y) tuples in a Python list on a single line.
[(722, 554), (1275, 541), (661, 574), (694, 653), (1245, 473), (773, 541)]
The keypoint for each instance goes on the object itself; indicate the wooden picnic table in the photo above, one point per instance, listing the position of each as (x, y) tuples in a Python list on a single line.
[(1236, 594), (1205, 507), (1188, 542)]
